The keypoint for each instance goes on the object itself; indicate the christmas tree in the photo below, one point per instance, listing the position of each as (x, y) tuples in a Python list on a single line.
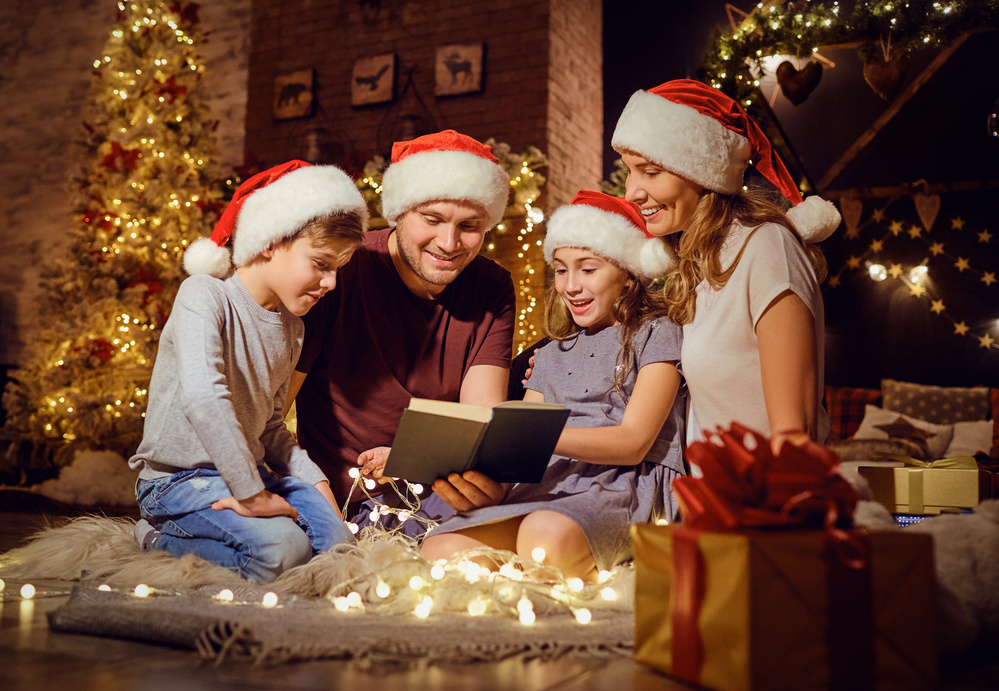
[(144, 193)]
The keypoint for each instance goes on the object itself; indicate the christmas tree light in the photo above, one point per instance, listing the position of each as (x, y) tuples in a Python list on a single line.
[(145, 192)]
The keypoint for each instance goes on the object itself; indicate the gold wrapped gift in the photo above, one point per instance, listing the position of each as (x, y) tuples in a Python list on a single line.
[(785, 609), (920, 487)]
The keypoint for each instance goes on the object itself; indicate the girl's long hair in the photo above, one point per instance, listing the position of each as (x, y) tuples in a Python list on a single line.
[(636, 304), (698, 247)]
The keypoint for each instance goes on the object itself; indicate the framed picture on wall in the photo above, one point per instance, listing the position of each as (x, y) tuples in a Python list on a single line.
[(458, 69), (293, 94), (373, 80)]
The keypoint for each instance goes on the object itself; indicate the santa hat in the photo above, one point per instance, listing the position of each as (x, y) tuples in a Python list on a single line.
[(701, 134), (444, 166), (611, 227), (270, 207)]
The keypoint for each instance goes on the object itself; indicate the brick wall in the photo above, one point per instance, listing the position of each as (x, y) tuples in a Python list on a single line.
[(44, 98), (542, 86)]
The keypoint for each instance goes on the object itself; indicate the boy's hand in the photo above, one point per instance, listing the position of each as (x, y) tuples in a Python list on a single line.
[(372, 463), (263, 504)]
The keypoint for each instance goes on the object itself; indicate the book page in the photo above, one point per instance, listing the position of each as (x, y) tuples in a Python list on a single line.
[(463, 411)]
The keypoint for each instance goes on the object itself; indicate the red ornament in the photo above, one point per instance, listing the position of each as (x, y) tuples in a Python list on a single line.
[(171, 89), (188, 13), (129, 158), (102, 349)]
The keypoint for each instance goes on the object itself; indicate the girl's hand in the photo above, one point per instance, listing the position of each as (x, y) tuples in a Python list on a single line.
[(470, 490), (372, 463), (263, 504), (530, 368)]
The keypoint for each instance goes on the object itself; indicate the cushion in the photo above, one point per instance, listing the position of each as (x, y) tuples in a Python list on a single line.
[(880, 423), (869, 449), (845, 405), (937, 404), (970, 438)]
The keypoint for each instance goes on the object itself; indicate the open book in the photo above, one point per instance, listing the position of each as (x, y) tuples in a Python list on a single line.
[(511, 442)]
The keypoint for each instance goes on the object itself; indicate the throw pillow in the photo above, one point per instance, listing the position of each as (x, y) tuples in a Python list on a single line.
[(937, 404), (970, 438), (881, 423), (870, 449), (845, 405)]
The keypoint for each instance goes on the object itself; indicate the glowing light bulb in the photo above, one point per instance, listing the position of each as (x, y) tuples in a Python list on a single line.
[(369, 483), (354, 473), (270, 600), (142, 590), (417, 582), (918, 273), (383, 590), (603, 576), (417, 488), (225, 595), (477, 607), (422, 610), (538, 554), (353, 527), (437, 572), (527, 618), (608, 594), (583, 615), (576, 584), (354, 599), (341, 604), (2, 585), (878, 272), (27, 591)]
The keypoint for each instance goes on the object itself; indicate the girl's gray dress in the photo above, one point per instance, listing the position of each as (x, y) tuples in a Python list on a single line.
[(603, 499)]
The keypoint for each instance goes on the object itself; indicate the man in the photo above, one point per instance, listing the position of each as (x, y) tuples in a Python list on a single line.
[(418, 313)]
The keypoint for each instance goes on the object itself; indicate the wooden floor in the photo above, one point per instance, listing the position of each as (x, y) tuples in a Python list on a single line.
[(32, 658)]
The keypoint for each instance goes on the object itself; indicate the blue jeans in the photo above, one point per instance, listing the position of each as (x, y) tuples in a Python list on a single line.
[(180, 507)]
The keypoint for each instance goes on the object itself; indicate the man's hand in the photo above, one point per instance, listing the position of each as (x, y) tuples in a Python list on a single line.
[(263, 504), (372, 463), (470, 490)]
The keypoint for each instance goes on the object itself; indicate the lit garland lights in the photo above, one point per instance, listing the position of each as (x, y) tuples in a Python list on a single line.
[(917, 277), (146, 191), (737, 57), (525, 259)]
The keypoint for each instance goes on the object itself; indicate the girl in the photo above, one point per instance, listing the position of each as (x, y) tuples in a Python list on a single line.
[(613, 364), (746, 288)]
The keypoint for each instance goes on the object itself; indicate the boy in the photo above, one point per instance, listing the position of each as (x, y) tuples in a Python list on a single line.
[(221, 375)]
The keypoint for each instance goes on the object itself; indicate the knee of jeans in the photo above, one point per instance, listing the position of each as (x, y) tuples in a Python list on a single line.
[(286, 546)]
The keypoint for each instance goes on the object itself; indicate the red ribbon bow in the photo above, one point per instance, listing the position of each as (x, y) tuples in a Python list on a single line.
[(746, 486)]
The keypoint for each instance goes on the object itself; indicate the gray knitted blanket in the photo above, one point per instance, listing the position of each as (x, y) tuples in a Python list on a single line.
[(302, 628)]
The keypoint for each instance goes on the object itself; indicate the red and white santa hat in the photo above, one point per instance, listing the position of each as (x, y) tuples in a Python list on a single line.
[(699, 133), (611, 227), (444, 166), (269, 207)]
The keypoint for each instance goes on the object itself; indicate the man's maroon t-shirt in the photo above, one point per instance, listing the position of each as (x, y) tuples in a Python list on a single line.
[(371, 344)]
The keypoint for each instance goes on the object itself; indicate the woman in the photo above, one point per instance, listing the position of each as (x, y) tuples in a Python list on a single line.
[(746, 285)]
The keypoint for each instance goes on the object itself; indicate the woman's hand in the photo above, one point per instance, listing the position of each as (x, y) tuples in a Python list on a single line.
[(470, 490)]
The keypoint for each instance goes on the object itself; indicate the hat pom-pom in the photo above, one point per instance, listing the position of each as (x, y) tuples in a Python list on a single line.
[(815, 218), (656, 258), (205, 257)]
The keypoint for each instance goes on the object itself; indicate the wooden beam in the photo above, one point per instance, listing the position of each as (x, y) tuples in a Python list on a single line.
[(858, 146), (910, 188)]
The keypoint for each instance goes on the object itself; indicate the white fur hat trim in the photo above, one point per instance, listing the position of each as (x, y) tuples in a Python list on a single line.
[(444, 175), (203, 256), (278, 210), (694, 146), (815, 218), (610, 235)]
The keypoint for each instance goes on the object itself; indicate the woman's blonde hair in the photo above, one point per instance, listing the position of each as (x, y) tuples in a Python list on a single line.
[(698, 247), (636, 305)]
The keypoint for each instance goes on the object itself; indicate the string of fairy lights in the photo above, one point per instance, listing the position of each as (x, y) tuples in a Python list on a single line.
[(917, 277), (515, 587), (740, 54)]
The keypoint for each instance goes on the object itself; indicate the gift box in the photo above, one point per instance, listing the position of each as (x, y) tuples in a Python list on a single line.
[(920, 487), (778, 609), (766, 585)]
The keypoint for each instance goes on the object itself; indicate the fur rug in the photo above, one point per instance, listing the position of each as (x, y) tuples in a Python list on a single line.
[(103, 550)]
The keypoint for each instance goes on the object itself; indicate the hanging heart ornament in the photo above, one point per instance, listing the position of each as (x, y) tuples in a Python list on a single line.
[(927, 206), (796, 84)]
